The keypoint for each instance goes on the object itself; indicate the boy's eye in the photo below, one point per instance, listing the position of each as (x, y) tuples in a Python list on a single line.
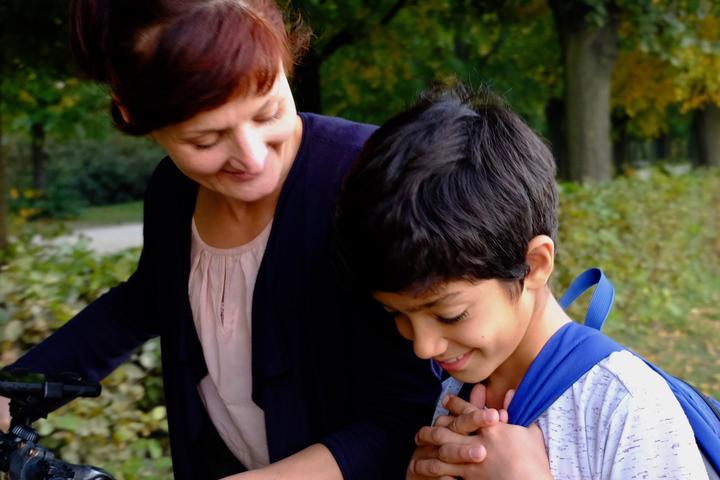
[(450, 320)]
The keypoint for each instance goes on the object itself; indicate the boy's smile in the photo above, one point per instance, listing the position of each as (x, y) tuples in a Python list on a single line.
[(455, 363), (479, 331), (470, 329)]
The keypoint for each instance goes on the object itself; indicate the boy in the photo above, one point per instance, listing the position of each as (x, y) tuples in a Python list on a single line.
[(449, 218)]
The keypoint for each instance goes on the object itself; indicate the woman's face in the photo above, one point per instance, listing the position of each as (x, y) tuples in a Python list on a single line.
[(242, 149)]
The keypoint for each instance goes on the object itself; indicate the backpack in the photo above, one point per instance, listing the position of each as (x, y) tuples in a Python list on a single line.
[(583, 346)]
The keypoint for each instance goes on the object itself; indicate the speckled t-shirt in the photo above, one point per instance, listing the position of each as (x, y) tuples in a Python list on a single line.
[(619, 421)]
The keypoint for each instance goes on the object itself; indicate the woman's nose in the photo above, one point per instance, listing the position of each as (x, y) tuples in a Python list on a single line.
[(252, 151)]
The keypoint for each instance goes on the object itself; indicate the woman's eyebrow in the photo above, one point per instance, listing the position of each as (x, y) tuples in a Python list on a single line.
[(204, 131)]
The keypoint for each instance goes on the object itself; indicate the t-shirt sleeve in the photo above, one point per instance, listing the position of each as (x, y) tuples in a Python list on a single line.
[(620, 421), (649, 437)]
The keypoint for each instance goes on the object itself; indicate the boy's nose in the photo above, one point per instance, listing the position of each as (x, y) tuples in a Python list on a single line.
[(428, 344)]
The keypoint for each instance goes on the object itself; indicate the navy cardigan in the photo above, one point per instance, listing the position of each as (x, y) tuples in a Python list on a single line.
[(327, 364)]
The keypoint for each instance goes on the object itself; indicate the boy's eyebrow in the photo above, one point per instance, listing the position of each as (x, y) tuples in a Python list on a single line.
[(434, 302)]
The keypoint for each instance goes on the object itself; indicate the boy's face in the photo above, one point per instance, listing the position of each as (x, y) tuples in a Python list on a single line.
[(472, 329)]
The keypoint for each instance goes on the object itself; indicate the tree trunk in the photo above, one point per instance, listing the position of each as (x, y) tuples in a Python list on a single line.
[(3, 191), (707, 135), (589, 53), (554, 116), (621, 143), (662, 148), (306, 84), (38, 156), (590, 58)]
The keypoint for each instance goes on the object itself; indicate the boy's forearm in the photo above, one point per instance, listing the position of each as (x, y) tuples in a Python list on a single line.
[(314, 462)]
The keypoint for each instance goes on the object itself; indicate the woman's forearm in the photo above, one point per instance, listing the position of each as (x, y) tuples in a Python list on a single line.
[(314, 462)]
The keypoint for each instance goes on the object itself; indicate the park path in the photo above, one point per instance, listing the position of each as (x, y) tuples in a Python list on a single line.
[(108, 239)]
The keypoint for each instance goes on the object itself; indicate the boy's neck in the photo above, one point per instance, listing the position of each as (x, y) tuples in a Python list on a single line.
[(546, 319)]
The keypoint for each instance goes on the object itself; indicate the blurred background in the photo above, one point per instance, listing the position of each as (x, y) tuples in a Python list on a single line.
[(626, 92)]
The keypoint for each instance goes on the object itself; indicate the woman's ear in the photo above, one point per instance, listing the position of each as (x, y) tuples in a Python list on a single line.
[(121, 108), (540, 259)]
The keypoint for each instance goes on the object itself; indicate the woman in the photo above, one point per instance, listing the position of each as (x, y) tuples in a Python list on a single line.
[(262, 350)]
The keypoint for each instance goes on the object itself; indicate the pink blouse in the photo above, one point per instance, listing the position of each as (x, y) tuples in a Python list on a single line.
[(221, 289)]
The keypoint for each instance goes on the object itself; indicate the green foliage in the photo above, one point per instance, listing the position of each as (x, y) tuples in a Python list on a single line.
[(83, 172), (510, 45), (656, 235), (65, 106), (42, 285), (58, 201), (114, 171)]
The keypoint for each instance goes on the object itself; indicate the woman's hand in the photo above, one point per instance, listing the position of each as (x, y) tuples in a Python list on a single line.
[(4, 414)]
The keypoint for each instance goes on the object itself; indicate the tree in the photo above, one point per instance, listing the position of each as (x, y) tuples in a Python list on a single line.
[(338, 23), (32, 35), (591, 32), (679, 73), (589, 49), (428, 41)]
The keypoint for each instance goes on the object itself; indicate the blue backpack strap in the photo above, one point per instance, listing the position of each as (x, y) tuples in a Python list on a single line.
[(702, 412), (601, 301), (570, 352), (567, 356)]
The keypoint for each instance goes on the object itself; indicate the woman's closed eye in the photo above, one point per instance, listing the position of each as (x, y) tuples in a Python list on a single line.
[(205, 142), (205, 146), (270, 117)]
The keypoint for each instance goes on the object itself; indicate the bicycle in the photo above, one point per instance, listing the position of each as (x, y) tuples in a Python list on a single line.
[(33, 396)]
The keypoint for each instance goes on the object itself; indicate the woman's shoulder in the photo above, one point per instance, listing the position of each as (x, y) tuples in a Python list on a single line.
[(335, 132)]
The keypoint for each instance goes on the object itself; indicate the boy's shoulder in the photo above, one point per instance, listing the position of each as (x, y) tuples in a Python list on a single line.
[(620, 416), (623, 374)]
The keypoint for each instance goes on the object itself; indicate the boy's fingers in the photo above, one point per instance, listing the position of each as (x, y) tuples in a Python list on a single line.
[(457, 406), (443, 421), (471, 422), (477, 395), (508, 398), (435, 468), (504, 418), (454, 453), (438, 436)]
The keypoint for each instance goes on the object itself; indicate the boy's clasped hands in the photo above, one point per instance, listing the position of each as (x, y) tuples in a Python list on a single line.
[(475, 442)]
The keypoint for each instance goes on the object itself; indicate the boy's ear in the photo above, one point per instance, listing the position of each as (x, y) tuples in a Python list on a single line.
[(540, 258)]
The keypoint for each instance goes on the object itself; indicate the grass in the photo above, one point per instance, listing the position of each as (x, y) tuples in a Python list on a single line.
[(658, 240), (109, 215), (106, 215)]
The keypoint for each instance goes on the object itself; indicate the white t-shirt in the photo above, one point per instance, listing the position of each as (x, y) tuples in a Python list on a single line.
[(619, 421)]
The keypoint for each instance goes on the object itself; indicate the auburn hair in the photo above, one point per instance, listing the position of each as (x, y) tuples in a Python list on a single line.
[(165, 61)]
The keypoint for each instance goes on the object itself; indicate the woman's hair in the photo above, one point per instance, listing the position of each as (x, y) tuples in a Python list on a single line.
[(167, 60), (452, 189)]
